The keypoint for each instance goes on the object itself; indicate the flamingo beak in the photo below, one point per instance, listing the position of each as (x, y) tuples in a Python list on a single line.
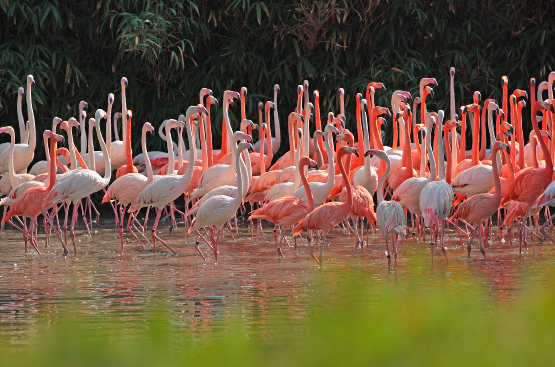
[(533, 82)]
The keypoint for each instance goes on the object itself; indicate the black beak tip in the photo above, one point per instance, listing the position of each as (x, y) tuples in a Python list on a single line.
[(533, 82)]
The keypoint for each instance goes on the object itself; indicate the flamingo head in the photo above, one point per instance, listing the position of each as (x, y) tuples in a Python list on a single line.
[(341, 92), (293, 116), (261, 106), (300, 134), (230, 94), (243, 92), (242, 146), (268, 105), (520, 93), (31, 80), (110, 98), (406, 95), (117, 116), (58, 138), (124, 82), (83, 105), (381, 111), (452, 72), (428, 91), (351, 150), (238, 135), (212, 100), (499, 145), (477, 97), (316, 95), (21, 91), (310, 109), (504, 81), (532, 82), (92, 122), (507, 129), (305, 161), (331, 129), (382, 121), (64, 125), (371, 90), (299, 90), (427, 81), (206, 92), (262, 128), (492, 106), (318, 134), (101, 114), (72, 123), (248, 123), (7, 129), (305, 84), (338, 120), (148, 127), (276, 88)]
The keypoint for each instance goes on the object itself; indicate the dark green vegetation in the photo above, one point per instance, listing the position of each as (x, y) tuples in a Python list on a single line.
[(170, 49), (430, 320)]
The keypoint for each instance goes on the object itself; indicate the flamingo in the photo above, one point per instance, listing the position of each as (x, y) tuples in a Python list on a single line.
[(218, 210), (529, 183), (12, 180), (288, 210), (328, 215), (389, 214), (167, 188), (480, 207), (320, 191), (23, 153), (126, 188), (81, 183), (436, 198), (30, 203)]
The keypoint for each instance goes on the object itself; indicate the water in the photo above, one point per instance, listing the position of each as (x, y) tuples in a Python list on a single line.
[(101, 285)]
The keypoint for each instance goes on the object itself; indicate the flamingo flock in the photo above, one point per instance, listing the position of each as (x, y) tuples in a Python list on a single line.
[(425, 182)]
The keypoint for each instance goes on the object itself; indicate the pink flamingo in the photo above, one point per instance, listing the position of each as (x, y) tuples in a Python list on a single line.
[(288, 210), (23, 153), (389, 214), (330, 214), (218, 210), (530, 183), (436, 198), (167, 188), (30, 203), (480, 207), (12, 180), (81, 183), (126, 188)]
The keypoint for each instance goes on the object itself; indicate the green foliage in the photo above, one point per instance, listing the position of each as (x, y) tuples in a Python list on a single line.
[(170, 50)]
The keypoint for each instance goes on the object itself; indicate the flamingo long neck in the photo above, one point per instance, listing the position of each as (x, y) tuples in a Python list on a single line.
[(90, 144), (269, 136), (186, 178), (11, 171), (423, 108), (349, 202), (383, 156), (548, 162), (406, 149), (492, 136), (180, 149), (423, 157), (52, 165), (107, 162), (440, 160), (116, 135), (262, 161), (319, 156), (505, 99), (229, 133), (482, 155), (21, 120), (533, 144), (171, 157), (521, 137), (318, 120), (210, 151), (128, 152), (297, 181), (360, 134), (308, 192), (462, 154), (511, 167), (291, 128), (276, 127), (475, 139), (331, 162), (376, 132), (203, 142), (395, 127), (108, 130), (448, 173), (433, 171), (83, 136), (123, 117), (496, 176), (149, 172), (513, 136), (31, 116), (72, 158), (237, 200)]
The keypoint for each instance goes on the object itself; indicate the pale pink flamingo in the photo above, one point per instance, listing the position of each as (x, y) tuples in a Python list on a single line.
[(480, 207), (288, 210), (389, 214), (530, 183), (23, 153), (81, 183), (328, 215), (30, 203), (436, 197), (126, 188), (167, 188), (218, 210), (11, 180)]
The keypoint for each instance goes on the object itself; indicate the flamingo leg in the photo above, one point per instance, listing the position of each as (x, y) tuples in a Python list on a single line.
[(58, 232), (313, 247), (204, 239), (84, 217), (155, 236), (72, 229), (34, 225), (471, 239), (129, 221), (322, 249), (120, 226), (146, 219), (542, 228), (441, 238), (230, 231), (25, 233)]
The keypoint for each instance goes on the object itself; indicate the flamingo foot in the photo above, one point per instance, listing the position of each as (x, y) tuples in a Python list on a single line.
[(199, 251)]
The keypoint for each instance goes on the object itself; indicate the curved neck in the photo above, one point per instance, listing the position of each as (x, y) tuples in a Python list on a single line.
[(237, 200), (433, 172), (83, 137), (52, 164), (319, 156), (31, 117), (533, 144), (210, 153), (440, 159), (308, 192), (548, 162), (482, 155), (171, 157), (297, 182), (520, 137), (349, 201), (107, 163), (406, 148), (513, 136), (90, 144), (203, 142), (261, 153), (318, 119), (423, 159), (475, 137), (109, 130), (384, 157), (331, 161), (496, 175), (149, 172), (186, 178), (376, 132), (21, 120), (11, 171), (269, 137), (276, 127), (128, 152), (449, 149), (492, 137), (291, 128), (511, 167), (123, 117), (228, 130), (180, 149)]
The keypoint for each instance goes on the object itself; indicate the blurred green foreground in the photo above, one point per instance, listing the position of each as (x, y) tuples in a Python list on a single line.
[(425, 321)]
